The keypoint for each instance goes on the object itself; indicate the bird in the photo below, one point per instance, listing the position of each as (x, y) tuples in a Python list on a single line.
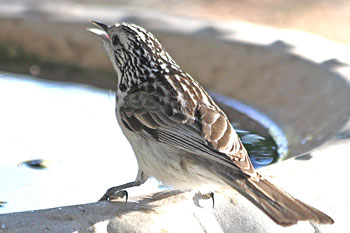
[(178, 133)]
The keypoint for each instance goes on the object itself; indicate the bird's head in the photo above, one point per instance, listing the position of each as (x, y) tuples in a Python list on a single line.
[(135, 53)]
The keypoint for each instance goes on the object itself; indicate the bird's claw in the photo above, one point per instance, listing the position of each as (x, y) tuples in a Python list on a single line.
[(203, 196), (111, 195)]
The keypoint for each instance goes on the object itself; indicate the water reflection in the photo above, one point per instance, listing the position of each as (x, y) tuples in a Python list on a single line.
[(262, 150), (2, 203), (35, 163)]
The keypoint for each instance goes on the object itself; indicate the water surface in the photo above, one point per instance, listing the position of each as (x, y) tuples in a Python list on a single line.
[(72, 129)]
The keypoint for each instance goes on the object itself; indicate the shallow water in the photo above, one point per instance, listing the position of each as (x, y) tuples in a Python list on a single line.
[(262, 150), (60, 145)]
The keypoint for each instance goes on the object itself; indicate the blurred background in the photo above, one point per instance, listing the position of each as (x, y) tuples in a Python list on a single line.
[(59, 141), (326, 18)]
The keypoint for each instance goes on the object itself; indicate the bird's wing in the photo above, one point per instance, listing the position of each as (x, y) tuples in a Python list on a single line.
[(194, 127)]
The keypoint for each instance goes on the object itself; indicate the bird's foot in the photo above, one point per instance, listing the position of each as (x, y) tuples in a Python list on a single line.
[(113, 195), (118, 191), (200, 199)]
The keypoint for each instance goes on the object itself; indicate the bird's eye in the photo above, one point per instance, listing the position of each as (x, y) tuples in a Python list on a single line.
[(115, 40)]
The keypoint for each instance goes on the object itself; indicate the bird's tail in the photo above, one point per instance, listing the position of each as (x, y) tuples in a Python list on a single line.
[(280, 206)]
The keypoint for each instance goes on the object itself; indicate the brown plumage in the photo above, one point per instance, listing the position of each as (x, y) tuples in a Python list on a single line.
[(178, 133), (276, 203)]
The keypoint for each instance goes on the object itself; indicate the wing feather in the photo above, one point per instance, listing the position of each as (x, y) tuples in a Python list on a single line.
[(202, 130)]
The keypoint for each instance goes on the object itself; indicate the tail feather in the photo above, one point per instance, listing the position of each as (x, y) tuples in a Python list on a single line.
[(280, 206)]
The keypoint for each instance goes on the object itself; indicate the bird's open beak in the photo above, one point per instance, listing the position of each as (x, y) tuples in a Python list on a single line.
[(102, 33)]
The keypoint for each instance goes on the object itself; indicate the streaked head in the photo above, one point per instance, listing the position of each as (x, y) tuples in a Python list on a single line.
[(122, 35), (134, 52)]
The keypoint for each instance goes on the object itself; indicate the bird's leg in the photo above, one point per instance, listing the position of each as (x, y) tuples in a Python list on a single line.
[(212, 197), (203, 196), (119, 192)]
